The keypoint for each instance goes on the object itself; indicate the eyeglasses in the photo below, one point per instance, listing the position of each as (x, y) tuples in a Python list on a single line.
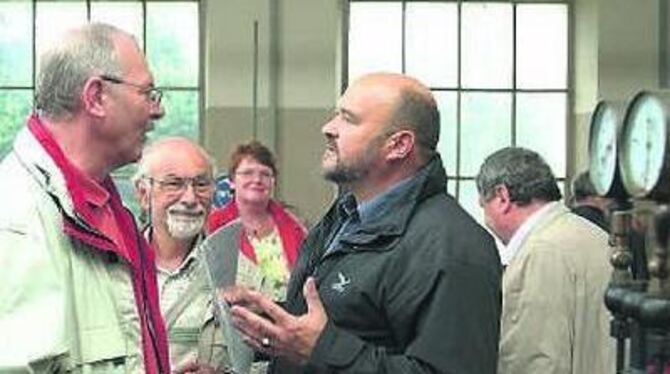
[(262, 174), (202, 185), (152, 93)]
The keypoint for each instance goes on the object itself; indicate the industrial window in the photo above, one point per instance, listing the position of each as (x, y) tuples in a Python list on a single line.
[(499, 71), (27, 27)]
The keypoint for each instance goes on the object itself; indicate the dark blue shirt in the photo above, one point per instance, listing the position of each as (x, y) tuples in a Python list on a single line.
[(355, 215)]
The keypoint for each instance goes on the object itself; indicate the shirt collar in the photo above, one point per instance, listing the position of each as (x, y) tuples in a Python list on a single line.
[(508, 252), (190, 260), (191, 257), (371, 210), (348, 206), (81, 187), (93, 192)]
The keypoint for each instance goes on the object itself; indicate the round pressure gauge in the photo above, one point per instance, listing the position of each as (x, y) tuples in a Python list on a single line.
[(603, 146), (644, 146)]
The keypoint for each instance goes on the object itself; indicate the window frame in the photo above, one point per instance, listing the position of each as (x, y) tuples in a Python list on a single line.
[(198, 88), (455, 178), (123, 176)]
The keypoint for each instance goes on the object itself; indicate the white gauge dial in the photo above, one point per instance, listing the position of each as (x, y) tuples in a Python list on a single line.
[(643, 145), (603, 147)]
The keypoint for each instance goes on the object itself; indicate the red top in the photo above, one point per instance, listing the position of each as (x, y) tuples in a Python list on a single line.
[(99, 205), (291, 231)]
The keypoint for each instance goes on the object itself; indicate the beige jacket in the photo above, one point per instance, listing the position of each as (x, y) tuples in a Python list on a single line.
[(64, 307), (554, 320)]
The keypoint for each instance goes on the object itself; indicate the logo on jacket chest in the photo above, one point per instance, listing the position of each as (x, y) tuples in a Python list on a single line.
[(340, 285)]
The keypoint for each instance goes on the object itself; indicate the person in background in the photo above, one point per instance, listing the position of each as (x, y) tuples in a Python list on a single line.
[(586, 203), (174, 184), (396, 277), (554, 319), (271, 235), (597, 209), (78, 285)]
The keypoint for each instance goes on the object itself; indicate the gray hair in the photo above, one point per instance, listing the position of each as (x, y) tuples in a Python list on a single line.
[(148, 160), (420, 113), (65, 68), (523, 172)]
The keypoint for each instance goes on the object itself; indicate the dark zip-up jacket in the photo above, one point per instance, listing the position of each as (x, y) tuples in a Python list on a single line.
[(417, 291)]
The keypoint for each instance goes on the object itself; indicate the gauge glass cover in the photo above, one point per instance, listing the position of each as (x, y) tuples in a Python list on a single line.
[(644, 145), (603, 148)]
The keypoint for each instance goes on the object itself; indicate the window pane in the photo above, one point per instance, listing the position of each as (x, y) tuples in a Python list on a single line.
[(542, 46), (487, 45), (124, 184), (485, 128), (181, 116), (431, 43), (375, 38), (15, 106), (16, 36), (181, 119), (446, 102), (468, 197), (541, 121), (54, 18), (124, 15), (173, 51)]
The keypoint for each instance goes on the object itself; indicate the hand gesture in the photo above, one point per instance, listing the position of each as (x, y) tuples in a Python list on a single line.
[(268, 328)]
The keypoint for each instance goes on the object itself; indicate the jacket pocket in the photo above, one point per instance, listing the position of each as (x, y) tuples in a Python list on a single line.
[(211, 346), (184, 335), (103, 349)]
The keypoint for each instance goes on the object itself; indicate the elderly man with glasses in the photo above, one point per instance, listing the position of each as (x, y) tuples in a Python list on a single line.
[(174, 184), (78, 285)]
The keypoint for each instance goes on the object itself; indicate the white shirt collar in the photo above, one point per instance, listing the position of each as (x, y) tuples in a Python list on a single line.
[(508, 252), (192, 255), (191, 258)]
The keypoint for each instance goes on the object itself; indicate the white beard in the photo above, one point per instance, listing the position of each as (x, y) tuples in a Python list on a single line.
[(184, 227)]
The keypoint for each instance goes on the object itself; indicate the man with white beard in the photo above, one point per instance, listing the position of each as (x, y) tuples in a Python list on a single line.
[(174, 184)]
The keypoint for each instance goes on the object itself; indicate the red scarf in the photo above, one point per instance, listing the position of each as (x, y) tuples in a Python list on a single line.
[(142, 264)]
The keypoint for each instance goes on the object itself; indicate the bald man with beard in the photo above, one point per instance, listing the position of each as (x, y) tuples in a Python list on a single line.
[(396, 277)]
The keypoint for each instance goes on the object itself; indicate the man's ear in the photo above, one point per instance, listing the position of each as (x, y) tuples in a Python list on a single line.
[(504, 201), (92, 97), (400, 145), (143, 194)]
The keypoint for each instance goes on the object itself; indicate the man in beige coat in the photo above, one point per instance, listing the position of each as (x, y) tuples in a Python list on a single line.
[(554, 319)]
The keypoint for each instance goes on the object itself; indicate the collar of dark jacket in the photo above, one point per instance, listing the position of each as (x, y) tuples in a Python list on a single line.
[(429, 180)]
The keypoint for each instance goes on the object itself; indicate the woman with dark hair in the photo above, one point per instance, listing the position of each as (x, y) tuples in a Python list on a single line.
[(270, 235)]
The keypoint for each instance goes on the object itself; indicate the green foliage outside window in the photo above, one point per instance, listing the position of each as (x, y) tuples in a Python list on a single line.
[(172, 54), (15, 106)]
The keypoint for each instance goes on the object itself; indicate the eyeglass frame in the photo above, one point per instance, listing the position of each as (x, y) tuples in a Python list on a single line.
[(154, 94), (260, 173), (184, 183)]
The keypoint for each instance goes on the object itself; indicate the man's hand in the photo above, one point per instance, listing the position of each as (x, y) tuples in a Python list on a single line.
[(277, 332), (193, 367)]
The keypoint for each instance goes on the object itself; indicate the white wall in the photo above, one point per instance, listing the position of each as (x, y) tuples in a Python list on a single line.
[(298, 61), (615, 54)]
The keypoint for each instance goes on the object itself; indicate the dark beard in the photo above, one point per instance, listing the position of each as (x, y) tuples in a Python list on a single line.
[(357, 170), (344, 175)]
